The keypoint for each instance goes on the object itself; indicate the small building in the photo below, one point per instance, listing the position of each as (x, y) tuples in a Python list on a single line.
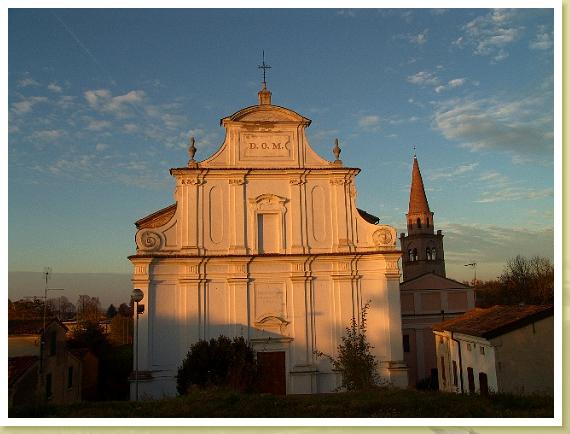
[(427, 300), (502, 349), (41, 375)]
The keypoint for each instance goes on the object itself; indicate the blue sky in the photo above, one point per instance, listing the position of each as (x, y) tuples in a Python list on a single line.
[(101, 104)]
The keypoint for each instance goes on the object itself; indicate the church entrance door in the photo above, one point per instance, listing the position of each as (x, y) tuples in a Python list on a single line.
[(271, 367)]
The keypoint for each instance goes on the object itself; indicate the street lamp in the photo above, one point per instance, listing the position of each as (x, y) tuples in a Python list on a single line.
[(137, 295), (47, 276), (474, 265)]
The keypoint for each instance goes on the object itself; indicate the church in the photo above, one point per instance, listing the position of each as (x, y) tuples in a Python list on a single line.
[(427, 295), (265, 241)]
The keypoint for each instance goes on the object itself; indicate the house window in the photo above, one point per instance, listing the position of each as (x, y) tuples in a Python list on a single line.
[(49, 391), (415, 254), (52, 343), (433, 254), (471, 379), (454, 373), (268, 233), (70, 377), (406, 343), (410, 255), (468, 347), (482, 350), (428, 254)]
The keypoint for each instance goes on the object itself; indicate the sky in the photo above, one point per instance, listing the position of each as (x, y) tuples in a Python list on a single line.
[(101, 103)]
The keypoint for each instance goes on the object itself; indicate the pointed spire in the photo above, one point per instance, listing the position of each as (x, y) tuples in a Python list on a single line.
[(418, 200)]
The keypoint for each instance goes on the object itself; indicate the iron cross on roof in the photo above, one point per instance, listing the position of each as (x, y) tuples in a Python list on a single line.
[(263, 66)]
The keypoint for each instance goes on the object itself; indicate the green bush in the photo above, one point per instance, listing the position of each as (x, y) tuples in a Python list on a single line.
[(355, 361), (218, 362)]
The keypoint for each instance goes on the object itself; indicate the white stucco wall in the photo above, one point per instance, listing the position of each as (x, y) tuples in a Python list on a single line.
[(211, 269)]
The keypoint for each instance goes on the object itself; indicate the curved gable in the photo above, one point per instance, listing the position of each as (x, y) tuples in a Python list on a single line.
[(266, 113)]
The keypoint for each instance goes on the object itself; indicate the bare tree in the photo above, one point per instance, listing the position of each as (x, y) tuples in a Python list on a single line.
[(528, 280)]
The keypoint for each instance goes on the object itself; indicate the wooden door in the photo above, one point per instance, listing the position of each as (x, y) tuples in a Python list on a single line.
[(271, 367), (471, 379), (483, 384)]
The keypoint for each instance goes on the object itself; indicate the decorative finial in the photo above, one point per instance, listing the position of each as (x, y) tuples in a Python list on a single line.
[(263, 66), (336, 151), (192, 152), (414, 151)]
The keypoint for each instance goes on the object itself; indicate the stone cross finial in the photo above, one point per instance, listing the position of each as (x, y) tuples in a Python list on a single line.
[(336, 151), (192, 152)]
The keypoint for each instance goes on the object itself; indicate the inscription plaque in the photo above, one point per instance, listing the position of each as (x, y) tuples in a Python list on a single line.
[(259, 146), (269, 300)]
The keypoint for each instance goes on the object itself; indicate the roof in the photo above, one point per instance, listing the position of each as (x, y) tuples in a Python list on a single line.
[(496, 320), (370, 218), (17, 366), (418, 200), (432, 281), (157, 218), (30, 326)]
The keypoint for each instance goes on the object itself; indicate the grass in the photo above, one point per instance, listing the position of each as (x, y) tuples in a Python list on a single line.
[(379, 403)]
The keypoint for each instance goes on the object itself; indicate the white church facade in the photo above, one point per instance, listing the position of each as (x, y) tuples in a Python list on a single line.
[(265, 241)]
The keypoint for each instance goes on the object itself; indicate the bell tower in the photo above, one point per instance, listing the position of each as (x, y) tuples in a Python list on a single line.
[(422, 248)]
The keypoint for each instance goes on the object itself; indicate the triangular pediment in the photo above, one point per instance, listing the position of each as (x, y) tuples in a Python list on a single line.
[(431, 281)]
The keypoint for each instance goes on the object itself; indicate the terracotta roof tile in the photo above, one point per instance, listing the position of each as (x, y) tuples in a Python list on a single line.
[(495, 321), (418, 200)]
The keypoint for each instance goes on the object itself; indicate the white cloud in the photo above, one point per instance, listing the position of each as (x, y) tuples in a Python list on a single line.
[(453, 172), (98, 125), (369, 121), (542, 40), (101, 147), (54, 87), (423, 78), (130, 127), (102, 100), (514, 193), (26, 82), (27, 104), (46, 135), (456, 82), (490, 34), (512, 126)]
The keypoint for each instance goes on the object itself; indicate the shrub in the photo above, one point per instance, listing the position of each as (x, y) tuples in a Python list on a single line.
[(218, 362), (355, 361)]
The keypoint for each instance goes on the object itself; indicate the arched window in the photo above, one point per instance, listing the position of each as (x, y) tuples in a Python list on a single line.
[(419, 222), (410, 255), (415, 254), (433, 254), (428, 254)]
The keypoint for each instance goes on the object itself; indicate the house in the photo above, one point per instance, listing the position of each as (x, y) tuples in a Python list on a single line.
[(265, 241), (502, 349), (427, 295), (38, 373)]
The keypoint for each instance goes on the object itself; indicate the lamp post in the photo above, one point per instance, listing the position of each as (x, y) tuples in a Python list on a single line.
[(137, 295), (47, 276), (474, 265)]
